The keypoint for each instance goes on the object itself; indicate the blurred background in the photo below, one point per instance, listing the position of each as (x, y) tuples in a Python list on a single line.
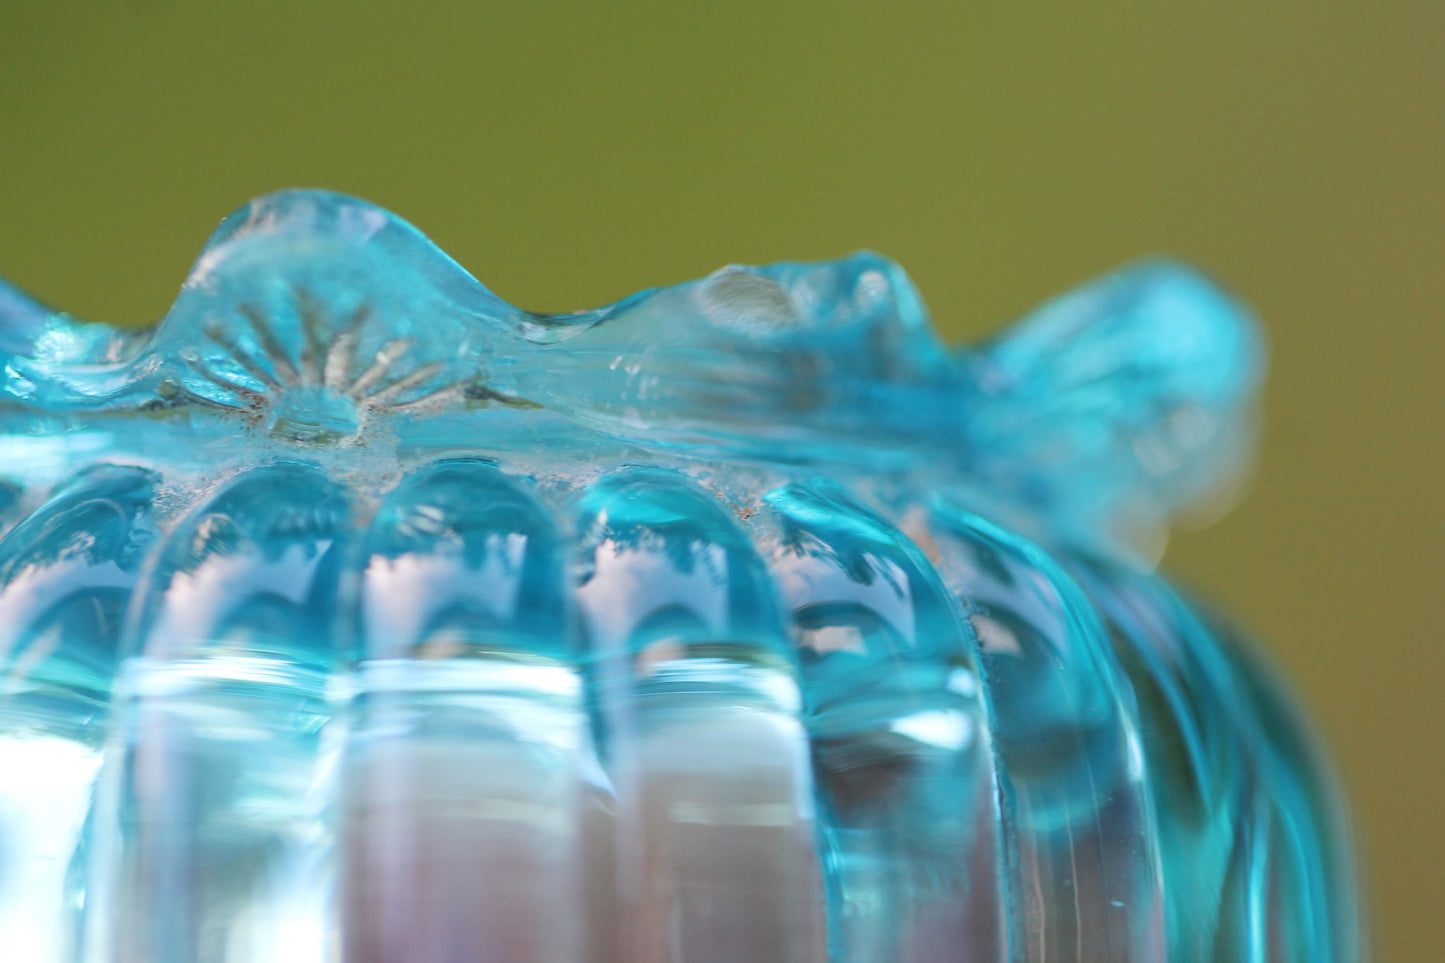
[(570, 153)]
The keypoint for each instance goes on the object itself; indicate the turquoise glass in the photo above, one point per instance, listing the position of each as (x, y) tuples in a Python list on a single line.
[(353, 615)]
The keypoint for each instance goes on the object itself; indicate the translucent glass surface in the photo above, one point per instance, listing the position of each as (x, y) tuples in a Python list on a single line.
[(353, 615)]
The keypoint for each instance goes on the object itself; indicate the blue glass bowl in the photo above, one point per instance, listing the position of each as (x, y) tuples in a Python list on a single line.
[(353, 614)]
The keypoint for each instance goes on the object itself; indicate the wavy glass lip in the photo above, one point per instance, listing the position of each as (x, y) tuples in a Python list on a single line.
[(350, 613), (322, 321)]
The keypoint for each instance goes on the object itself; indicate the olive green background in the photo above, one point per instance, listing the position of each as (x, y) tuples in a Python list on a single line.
[(569, 153)]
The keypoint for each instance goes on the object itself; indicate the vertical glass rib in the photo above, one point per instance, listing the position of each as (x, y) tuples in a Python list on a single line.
[(900, 737), (695, 691), (470, 793), (1251, 831), (66, 575), (217, 845), (1084, 863)]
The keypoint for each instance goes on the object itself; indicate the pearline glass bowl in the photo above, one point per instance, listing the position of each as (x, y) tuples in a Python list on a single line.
[(353, 615)]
